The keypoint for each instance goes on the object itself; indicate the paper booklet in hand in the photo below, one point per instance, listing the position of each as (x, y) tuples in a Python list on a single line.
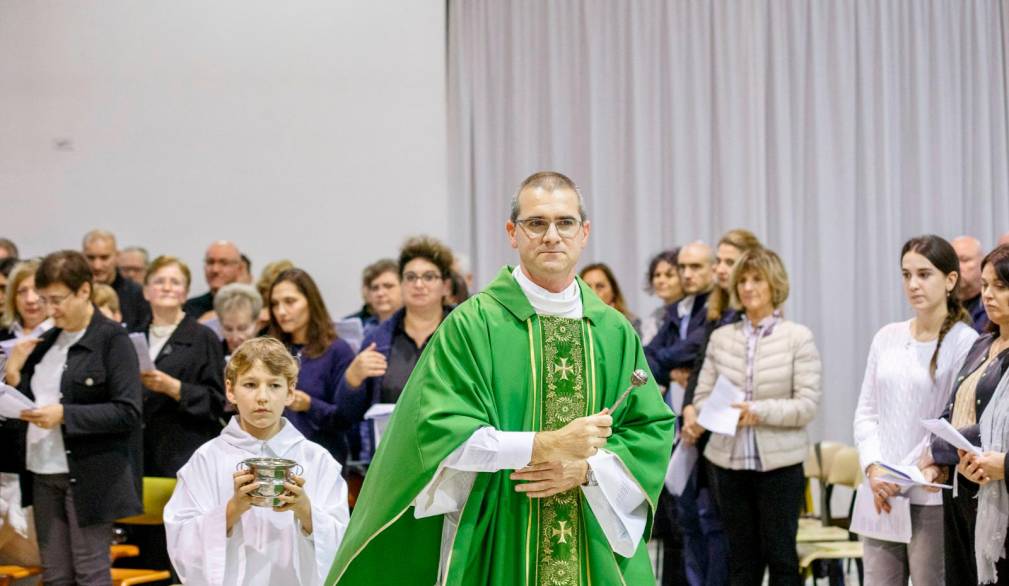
[(944, 430), (143, 351), (12, 402), (717, 413), (906, 476)]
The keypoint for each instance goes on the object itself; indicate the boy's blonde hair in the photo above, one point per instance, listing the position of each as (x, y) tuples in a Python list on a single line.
[(267, 351)]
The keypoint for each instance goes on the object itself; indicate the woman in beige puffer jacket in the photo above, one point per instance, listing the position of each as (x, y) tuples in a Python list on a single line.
[(757, 472)]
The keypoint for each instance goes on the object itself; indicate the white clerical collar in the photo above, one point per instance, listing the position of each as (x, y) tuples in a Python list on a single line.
[(567, 303), (685, 306)]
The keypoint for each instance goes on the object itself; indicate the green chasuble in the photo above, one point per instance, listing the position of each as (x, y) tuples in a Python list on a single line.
[(494, 363)]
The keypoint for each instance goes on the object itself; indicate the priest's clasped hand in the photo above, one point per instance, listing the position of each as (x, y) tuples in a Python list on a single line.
[(550, 478), (578, 440)]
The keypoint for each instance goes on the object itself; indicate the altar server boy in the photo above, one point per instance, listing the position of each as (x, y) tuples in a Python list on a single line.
[(215, 535)]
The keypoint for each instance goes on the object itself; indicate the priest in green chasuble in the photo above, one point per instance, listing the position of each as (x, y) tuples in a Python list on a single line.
[(502, 463)]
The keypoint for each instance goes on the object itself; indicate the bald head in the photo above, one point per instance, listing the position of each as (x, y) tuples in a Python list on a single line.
[(695, 264), (222, 264), (970, 252), (96, 235)]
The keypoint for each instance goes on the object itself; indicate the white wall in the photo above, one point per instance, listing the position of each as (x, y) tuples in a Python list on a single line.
[(312, 130)]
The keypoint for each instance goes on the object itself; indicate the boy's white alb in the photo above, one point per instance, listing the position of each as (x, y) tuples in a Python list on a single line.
[(265, 547)]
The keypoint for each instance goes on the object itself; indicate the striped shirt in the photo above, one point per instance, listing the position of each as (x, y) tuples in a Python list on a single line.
[(745, 454)]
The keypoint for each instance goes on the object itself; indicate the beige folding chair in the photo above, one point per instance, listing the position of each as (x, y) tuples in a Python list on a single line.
[(845, 470), (818, 464)]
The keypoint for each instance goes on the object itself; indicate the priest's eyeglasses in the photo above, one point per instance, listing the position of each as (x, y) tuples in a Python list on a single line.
[(538, 227)]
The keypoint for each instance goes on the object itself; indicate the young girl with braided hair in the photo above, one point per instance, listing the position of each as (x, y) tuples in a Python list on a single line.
[(908, 376)]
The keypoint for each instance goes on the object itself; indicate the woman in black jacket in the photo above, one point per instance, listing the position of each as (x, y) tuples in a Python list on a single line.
[(983, 369), (184, 394), (81, 463)]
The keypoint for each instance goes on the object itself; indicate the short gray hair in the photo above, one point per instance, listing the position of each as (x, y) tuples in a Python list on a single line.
[(238, 296), (98, 234), (143, 252), (550, 181)]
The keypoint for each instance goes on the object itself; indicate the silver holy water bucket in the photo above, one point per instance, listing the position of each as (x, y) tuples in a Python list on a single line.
[(270, 473)]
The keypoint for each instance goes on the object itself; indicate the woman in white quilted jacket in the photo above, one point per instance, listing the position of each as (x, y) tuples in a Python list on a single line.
[(771, 368), (908, 376)]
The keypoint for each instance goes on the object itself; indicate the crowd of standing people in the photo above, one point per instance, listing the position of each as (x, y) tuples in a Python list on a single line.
[(105, 417)]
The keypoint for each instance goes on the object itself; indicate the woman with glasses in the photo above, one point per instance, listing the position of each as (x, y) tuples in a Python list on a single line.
[(184, 393), (299, 319), (80, 447), (380, 371)]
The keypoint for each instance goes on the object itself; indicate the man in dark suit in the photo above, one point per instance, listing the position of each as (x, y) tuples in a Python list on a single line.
[(970, 252), (100, 250), (222, 265), (671, 354)]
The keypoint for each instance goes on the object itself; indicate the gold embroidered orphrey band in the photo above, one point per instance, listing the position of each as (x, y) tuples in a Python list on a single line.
[(564, 399)]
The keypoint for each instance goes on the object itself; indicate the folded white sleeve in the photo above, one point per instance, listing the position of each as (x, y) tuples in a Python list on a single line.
[(617, 501)]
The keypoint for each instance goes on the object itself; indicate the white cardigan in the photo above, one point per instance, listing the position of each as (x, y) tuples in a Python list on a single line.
[(786, 389), (898, 392)]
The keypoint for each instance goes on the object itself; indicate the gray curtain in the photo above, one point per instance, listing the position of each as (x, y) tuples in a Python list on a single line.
[(833, 129)]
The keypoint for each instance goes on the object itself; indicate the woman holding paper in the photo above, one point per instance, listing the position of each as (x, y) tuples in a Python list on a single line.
[(23, 319), (908, 374), (81, 449), (766, 371), (184, 393), (975, 390), (23, 313)]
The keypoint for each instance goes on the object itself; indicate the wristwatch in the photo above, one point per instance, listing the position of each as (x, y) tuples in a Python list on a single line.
[(590, 478)]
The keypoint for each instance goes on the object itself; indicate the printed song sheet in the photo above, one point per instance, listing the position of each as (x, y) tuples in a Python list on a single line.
[(717, 414)]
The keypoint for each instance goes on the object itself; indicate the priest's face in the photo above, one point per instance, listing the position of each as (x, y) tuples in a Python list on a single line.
[(260, 397), (549, 235)]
